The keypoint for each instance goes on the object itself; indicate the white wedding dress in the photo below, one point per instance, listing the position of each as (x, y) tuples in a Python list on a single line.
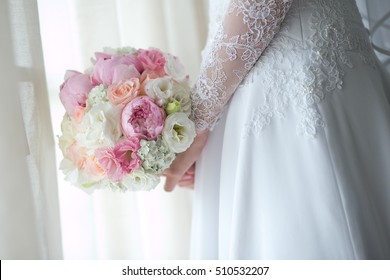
[(298, 165)]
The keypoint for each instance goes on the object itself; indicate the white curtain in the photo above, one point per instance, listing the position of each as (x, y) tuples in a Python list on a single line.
[(29, 215), (376, 17), (107, 225)]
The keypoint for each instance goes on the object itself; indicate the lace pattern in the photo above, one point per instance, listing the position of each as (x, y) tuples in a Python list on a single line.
[(240, 39), (336, 30)]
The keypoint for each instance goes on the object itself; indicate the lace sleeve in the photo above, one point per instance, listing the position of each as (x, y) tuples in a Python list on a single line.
[(247, 29)]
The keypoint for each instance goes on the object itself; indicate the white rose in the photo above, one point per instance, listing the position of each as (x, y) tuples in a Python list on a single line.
[(68, 128), (100, 127), (97, 96), (179, 132), (139, 180), (174, 68), (160, 89)]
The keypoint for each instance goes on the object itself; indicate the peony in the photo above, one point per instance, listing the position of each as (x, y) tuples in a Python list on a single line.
[(139, 180), (123, 92), (155, 155), (111, 69), (142, 118), (160, 89), (74, 91), (152, 60), (179, 132), (100, 127), (126, 153), (174, 68)]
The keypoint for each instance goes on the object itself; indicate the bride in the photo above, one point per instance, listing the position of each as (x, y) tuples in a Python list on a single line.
[(292, 153)]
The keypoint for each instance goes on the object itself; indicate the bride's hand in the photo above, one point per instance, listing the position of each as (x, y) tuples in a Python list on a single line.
[(183, 162)]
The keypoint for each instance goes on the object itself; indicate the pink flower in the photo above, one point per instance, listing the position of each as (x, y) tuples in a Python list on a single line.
[(142, 118), (74, 91), (123, 92), (109, 162), (111, 69), (153, 61), (126, 153)]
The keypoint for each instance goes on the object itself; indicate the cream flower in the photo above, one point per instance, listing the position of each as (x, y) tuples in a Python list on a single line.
[(160, 89), (68, 128), (174, 68), (179, 132), (140, 180)]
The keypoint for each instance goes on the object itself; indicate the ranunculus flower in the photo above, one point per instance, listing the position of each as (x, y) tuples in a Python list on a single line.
[(126, 153), (123, 92), (139, 180), (174, 68), (142, 118), (74, 91), (160, 89), (110, 163), (111, 69), (179, 132), (152, 60)]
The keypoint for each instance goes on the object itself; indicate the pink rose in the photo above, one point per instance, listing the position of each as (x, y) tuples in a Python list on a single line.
[(109, 162), (74, 91), (93, 168), (109, 70), (126, 153), (152, 60), (123, 92), (142, 118)]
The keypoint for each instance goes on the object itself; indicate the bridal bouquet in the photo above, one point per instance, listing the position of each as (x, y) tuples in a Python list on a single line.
[(126, 118)]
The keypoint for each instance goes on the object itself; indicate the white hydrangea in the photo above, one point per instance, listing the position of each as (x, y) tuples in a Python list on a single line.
[(155, 155), (140, 180), (68, 128), (119, 51), (100, 127), (179, 132), (96, 96)]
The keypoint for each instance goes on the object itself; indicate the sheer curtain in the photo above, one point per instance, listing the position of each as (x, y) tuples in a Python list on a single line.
[(29, 215), (376, 16), (107, 225)]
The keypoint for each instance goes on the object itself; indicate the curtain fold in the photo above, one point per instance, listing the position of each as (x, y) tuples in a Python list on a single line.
[(29, 209), (376, 17)]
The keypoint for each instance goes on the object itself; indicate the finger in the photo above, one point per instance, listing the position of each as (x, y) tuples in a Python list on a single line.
[(170, 183)]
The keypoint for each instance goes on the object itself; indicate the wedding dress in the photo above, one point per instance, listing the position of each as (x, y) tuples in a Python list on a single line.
[(297, 165)]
